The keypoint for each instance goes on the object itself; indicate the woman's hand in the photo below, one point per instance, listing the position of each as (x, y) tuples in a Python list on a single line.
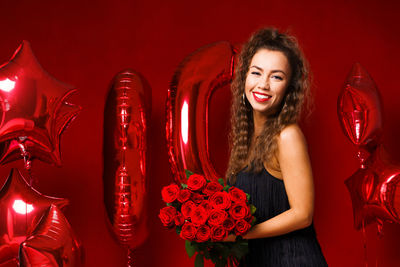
[(230, 238)]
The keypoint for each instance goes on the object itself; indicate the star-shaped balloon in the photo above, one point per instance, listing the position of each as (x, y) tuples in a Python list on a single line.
[(360, 108), (34, 110), (21, 207), (374, 192), (52, 243), (373, 187)]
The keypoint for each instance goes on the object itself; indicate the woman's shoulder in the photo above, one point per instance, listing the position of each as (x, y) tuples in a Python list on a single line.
[(291, 134)]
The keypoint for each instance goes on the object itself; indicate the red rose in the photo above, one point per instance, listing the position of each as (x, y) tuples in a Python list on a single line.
[(179, 219), (242, 227), (187, 208), (237, 195), (220, 200), (197, 198), (206, 204), (211, 188), (218, 233), (249, 218), (239, 211), (203, 233), (199, 215), (167, 216), (228, 224), (188, 231), (217, 217), (196, 182), (184, 195), (170, 193)]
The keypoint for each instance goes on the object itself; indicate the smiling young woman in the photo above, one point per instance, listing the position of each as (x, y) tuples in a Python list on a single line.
[(269, 158)]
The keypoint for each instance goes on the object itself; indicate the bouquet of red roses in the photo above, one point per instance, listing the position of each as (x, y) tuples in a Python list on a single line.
[(204, 213)]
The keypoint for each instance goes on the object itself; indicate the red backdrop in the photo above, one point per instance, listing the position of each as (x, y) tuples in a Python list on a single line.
[(86, 45)]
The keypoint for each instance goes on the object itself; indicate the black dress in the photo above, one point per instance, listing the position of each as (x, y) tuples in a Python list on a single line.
[(299, 248)]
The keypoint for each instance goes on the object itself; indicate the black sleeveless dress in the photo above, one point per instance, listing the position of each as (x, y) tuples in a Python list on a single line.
[(299, 248)]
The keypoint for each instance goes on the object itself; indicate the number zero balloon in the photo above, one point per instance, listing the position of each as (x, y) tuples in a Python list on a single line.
[(187, 108)]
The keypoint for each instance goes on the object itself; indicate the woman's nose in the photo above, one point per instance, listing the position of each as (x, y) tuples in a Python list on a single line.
[(263, 84)]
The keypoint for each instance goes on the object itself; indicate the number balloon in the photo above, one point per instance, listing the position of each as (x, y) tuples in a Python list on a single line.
[(199, 75), (125, 151)]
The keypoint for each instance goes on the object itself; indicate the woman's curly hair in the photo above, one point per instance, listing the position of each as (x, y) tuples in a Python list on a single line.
[(242, 125)]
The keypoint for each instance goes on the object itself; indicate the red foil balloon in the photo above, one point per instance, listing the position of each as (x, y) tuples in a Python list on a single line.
[(374, 191), (34, 110), (360, 108), (198, 76), (125, 151), (21, 207), (373, 187), (52, 243)]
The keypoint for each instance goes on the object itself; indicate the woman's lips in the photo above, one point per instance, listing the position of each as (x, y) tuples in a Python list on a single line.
[(259, 97)]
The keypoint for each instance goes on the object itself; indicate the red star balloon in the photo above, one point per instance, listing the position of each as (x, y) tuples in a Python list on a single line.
[(34, 110), (21, 207), (360, 108), (52, 243), (373, 187), (199, 75), (374, 191), (125, 176)]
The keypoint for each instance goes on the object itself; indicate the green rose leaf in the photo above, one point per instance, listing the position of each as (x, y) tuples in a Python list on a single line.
[(188, 173), (252, 209), (178, 230), (221, 181), (190, 250)]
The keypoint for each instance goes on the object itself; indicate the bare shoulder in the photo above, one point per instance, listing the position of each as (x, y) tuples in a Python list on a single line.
[(291, 136)]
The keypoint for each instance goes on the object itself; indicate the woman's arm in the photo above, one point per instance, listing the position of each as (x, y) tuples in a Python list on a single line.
[(297, 176)]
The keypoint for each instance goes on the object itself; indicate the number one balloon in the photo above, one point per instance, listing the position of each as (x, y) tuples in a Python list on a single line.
[(199, 75), (124, 152)]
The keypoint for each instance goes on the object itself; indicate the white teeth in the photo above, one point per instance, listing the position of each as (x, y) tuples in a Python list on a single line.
[(261, 96)]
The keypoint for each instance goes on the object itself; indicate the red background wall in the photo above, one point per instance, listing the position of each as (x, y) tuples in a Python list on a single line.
[(86, 44)]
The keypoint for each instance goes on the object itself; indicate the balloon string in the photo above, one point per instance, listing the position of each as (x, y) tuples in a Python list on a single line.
[(364, 244), (379, 227), (130, 262)]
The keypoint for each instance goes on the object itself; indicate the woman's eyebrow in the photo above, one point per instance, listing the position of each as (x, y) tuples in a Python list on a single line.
[(254, 66), (272, 71)]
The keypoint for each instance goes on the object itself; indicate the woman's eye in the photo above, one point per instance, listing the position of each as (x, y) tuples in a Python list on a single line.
[(277, 77), (255, 73)]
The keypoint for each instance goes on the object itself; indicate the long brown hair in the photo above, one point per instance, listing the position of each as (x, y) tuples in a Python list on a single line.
[(242, 125)]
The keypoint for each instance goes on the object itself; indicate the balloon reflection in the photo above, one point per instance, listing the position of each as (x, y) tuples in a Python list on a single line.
[(7, 85), (185, 122), (21, 207)]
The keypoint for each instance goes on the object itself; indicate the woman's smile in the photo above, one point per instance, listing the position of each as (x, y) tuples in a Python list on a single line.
[(261, 97)]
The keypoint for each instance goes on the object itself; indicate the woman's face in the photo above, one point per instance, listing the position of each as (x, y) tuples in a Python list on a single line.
[(267, 79)]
